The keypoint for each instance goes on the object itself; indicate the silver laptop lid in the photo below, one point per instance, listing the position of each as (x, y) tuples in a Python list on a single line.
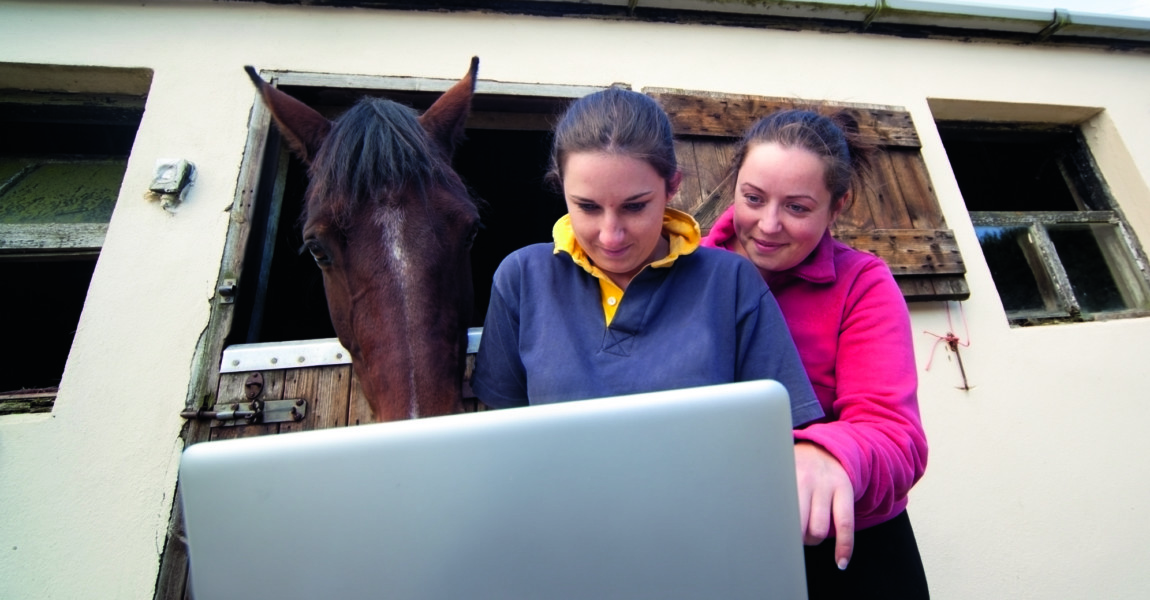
[(679, 494)]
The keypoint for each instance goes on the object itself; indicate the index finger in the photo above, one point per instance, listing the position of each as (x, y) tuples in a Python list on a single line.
[(843, 510)]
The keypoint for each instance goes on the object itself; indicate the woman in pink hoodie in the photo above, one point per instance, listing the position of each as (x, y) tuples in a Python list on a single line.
[(795, 172)]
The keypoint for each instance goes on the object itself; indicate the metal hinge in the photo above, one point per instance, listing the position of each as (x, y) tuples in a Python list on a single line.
[(251, 410)]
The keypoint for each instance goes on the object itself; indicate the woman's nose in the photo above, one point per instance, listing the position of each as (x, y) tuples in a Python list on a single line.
[(612, 230), (769, 221)]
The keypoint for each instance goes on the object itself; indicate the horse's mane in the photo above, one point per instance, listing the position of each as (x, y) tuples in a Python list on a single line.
[(375, 151)]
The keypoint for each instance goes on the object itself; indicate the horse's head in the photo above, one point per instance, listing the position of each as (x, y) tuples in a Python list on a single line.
[(390, 225)]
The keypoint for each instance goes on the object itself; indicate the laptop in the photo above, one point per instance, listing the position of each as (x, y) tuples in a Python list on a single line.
[(671, 495)]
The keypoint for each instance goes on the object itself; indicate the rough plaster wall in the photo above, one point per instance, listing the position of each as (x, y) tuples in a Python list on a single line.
[(1035, 474)]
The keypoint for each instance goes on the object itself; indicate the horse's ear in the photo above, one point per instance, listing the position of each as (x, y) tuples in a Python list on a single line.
[(304, 128), (445, 119)]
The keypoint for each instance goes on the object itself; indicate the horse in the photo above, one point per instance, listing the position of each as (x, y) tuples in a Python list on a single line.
[(390, 225)]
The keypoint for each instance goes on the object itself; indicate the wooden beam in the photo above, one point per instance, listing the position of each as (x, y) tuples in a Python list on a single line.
[(52, 236), (910, 251), (936, 288), (730, 115)]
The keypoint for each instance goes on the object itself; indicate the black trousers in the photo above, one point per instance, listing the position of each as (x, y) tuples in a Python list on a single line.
[(885, 565)]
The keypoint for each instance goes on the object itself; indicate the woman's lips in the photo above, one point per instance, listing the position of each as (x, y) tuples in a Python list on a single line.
[(614, 253), (768, 247)]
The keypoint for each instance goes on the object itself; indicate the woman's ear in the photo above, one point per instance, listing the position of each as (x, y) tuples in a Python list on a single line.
[(838, 207), (673, 184)]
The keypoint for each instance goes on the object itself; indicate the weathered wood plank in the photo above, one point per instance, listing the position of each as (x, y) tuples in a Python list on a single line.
[(52, 236), (302, 383), (29, 402), (730, 115), (718, 190), (326, 390), (918, 196), (233, 391), (950, 287), (359, 411), (860, 215), (916, 287), (1024, 218), (690, 192), (274, 384), (710, 211), (246, 431), (891, 212), (335, 381), (714, 160), (230, 391), (909, 251), (935, 288)]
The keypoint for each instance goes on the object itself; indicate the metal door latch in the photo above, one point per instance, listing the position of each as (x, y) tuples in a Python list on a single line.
[(251, 410)]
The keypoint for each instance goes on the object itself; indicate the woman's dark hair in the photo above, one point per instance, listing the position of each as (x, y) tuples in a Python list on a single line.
[(846, 155), (615, 121)]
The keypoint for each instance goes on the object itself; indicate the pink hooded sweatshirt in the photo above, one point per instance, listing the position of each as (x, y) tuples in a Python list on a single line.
[(852, 329)]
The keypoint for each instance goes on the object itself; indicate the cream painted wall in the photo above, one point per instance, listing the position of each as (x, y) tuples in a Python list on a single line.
[(1037, 474)]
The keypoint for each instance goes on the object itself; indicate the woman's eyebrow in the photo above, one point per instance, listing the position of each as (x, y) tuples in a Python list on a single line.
[(759, 190), (754, 187), (632, 198)]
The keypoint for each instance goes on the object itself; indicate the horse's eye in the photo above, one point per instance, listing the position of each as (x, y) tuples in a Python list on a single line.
[(317, 252), (471, 235)]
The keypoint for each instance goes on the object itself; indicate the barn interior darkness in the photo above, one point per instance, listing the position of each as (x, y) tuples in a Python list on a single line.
[(1020, 167), (45, 287), (502, 160)]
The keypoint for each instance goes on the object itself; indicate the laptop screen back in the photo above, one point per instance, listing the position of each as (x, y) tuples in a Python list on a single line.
[(679, 494)]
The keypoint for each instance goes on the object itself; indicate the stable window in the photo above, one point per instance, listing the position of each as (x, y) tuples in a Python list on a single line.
[(1057, 246), (62, 160)]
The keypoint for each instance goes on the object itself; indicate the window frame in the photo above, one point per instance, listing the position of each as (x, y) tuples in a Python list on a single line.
[(1097, 205), (1036, 224), (100, 122)]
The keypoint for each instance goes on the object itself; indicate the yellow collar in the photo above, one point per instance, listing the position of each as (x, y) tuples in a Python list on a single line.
[(682, 234)]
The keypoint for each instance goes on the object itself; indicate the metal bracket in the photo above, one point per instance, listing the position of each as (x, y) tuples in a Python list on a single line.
[(875, 12), (227, 291), (1060, 19)]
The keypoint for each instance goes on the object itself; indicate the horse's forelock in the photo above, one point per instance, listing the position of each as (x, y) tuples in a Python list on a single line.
[(376, 150)]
